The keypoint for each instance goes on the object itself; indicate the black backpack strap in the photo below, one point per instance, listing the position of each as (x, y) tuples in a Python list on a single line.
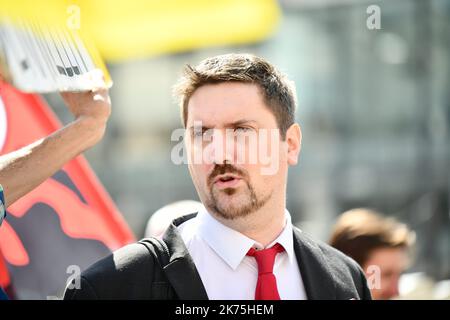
[(161, 288)]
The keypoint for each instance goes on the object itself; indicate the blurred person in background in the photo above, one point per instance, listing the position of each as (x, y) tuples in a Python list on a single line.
[(381, 245), (161, 219)]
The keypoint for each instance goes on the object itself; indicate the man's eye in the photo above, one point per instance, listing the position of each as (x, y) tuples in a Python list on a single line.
[(241, 129), (197, 133), (204, 135)]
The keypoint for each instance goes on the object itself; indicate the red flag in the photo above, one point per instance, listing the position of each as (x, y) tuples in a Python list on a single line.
[(69, 220)]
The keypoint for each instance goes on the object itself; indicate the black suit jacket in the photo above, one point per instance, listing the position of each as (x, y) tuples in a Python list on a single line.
[(128, 273)]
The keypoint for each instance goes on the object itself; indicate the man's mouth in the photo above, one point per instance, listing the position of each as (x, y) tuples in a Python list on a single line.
[(227, 180)]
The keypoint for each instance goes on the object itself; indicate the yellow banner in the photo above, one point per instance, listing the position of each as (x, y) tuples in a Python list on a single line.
[(128, 29)]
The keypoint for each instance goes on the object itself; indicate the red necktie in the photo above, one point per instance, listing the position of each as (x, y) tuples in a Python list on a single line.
[(266, 287)]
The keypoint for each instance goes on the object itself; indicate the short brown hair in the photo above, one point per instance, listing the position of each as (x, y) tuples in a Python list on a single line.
[(359, 231), (278, 91)]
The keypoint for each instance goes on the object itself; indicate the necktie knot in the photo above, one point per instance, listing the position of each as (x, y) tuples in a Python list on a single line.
[(265, 258)]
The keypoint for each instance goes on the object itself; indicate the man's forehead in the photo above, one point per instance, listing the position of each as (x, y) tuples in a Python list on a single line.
[(222, 105)]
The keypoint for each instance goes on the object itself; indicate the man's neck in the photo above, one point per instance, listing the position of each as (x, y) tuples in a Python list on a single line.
[(263, 225)]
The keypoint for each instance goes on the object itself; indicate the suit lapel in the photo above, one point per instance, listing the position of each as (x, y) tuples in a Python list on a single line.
[(316, 276), (181, 271)]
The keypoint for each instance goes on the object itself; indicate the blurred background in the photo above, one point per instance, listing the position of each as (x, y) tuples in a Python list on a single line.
[(374, 105)]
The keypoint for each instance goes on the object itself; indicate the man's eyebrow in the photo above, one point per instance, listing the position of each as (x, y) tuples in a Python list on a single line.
[(226, 125), (198, 127), (239, 122)]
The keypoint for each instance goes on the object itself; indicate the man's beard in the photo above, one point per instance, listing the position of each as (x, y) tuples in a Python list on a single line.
[(250, 201)]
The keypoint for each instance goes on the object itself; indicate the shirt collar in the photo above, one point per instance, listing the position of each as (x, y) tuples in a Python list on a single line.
[(231, 245)]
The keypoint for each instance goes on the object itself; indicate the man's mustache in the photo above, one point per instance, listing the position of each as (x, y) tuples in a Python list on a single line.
[(225, 168)]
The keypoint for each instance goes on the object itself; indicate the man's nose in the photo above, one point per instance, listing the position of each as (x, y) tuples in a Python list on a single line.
[(222, 147)]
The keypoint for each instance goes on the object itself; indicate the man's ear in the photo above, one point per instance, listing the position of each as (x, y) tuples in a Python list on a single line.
[(294, 143)]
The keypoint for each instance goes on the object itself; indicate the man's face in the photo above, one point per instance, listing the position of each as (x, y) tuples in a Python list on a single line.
[(392, 262), (237, 159)]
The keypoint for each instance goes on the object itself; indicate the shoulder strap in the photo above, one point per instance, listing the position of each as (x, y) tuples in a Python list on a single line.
[(158, 249), (161, 288)]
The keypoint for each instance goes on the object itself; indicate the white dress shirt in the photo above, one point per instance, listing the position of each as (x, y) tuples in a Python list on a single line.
[(227, 273)]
